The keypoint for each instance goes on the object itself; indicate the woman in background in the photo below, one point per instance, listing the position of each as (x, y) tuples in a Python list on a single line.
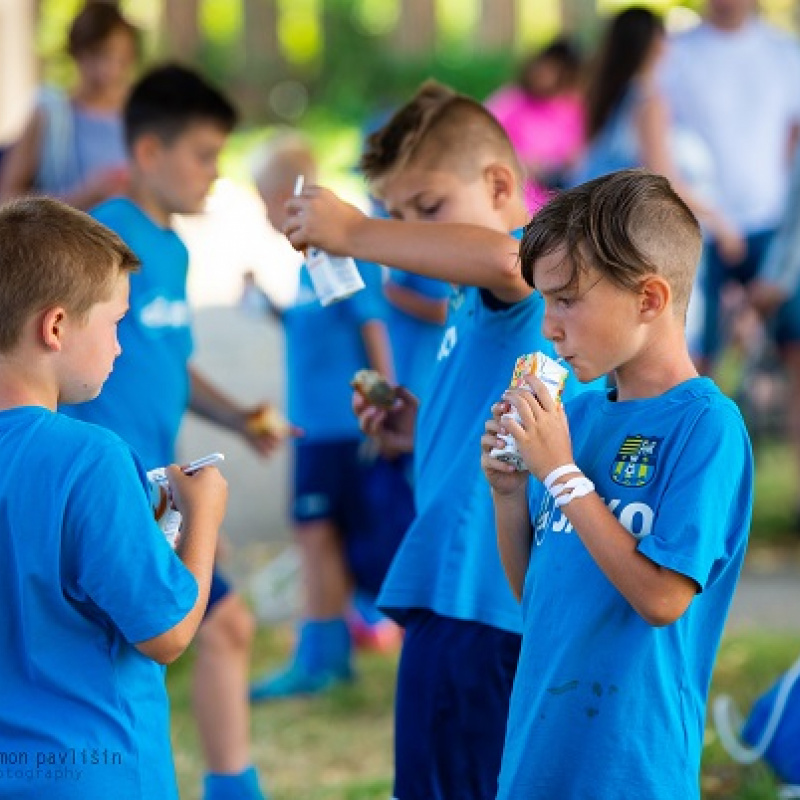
[(543, 117), (628, 125)]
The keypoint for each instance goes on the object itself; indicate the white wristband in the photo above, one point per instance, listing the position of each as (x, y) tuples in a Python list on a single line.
[(580, 488), (558, 472)]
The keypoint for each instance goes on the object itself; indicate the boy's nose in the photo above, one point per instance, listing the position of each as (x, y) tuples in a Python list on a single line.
[(550, 327)]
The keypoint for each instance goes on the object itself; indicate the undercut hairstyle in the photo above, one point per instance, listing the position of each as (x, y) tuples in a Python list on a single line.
[(54, 255), (438, 126), (94, 25), (627, 225), (169, 99)]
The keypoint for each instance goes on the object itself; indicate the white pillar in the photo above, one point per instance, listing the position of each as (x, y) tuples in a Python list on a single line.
[(17, 66)]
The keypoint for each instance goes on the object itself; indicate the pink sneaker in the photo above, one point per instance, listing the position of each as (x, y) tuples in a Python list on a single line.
[(379, 637)]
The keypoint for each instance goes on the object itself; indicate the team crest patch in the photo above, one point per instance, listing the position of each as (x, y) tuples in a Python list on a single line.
[(635, 463)]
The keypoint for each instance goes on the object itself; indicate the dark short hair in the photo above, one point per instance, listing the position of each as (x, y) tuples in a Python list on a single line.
[(627, 225), (169, 99), (53, 255), (440, 124), (94, 24)]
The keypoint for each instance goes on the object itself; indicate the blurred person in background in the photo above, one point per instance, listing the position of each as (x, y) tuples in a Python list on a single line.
[(775, 293), (542, 114), (735, 81), (73, 147), (628, 125), (349, 507)]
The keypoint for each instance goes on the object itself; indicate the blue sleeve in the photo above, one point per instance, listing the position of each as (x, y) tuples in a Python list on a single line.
[(704, 513), (121, 560), (369, 304), (428, 287)]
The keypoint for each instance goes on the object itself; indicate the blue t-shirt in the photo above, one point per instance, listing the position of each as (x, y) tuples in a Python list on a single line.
[(324, 349), (605, 705), (84, 574), (449, 561), (415, 342), (147, 394)]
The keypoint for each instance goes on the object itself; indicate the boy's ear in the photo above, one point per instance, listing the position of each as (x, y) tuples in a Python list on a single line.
[(53, 326), (655, 296), (501, 181), (145, 150)]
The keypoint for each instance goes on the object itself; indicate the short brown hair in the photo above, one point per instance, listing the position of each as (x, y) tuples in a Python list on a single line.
[(440, 125), (53, 255), (628, 225), (94, 24)]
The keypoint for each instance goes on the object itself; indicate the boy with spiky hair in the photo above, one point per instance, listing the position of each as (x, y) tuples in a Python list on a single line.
[(626, 548), (92, 598), (443, 158)]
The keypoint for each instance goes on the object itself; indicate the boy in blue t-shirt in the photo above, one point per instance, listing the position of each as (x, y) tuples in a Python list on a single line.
[(175, 127), (443, 158), (92, 598), (626, 549), (343, 543)]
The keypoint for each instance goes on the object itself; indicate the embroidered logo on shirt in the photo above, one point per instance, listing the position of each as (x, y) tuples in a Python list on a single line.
[(635, 463)]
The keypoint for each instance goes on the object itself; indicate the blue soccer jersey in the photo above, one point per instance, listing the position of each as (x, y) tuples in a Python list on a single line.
[(415, 342), (324, 349), (85, 573), (147, 394), (605, 705), (449, 561)]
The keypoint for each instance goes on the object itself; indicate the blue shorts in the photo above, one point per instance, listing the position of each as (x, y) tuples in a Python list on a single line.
[(326, 482), (220, 588), (717, 274), (453, 690), (368, 499)]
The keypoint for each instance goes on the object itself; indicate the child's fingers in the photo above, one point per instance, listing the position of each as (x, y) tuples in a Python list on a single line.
[(491, 464), (526, 405), (514, 428), (541, 392), (489, 441), (500, 408)]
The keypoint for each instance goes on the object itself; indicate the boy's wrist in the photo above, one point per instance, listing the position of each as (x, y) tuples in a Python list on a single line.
[(512, 495)]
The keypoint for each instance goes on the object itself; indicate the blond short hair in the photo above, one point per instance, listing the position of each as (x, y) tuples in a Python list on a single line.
[(438, 127), (53, 255)]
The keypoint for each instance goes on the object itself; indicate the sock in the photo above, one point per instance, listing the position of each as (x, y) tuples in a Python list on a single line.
[(243, 786), (324, 646), (365, 606)]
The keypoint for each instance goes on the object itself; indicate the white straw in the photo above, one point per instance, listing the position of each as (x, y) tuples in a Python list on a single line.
[(298, 185)]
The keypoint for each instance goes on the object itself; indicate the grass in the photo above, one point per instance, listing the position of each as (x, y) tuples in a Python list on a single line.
[(338, 746), (334, 747)]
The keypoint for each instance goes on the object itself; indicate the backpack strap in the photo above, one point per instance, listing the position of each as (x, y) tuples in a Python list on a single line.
[(728, 722)]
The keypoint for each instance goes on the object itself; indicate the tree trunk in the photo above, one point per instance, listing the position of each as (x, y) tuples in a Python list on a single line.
[(579, 19), (497, 27), (415, 33), (181, 28), (260, 35)]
